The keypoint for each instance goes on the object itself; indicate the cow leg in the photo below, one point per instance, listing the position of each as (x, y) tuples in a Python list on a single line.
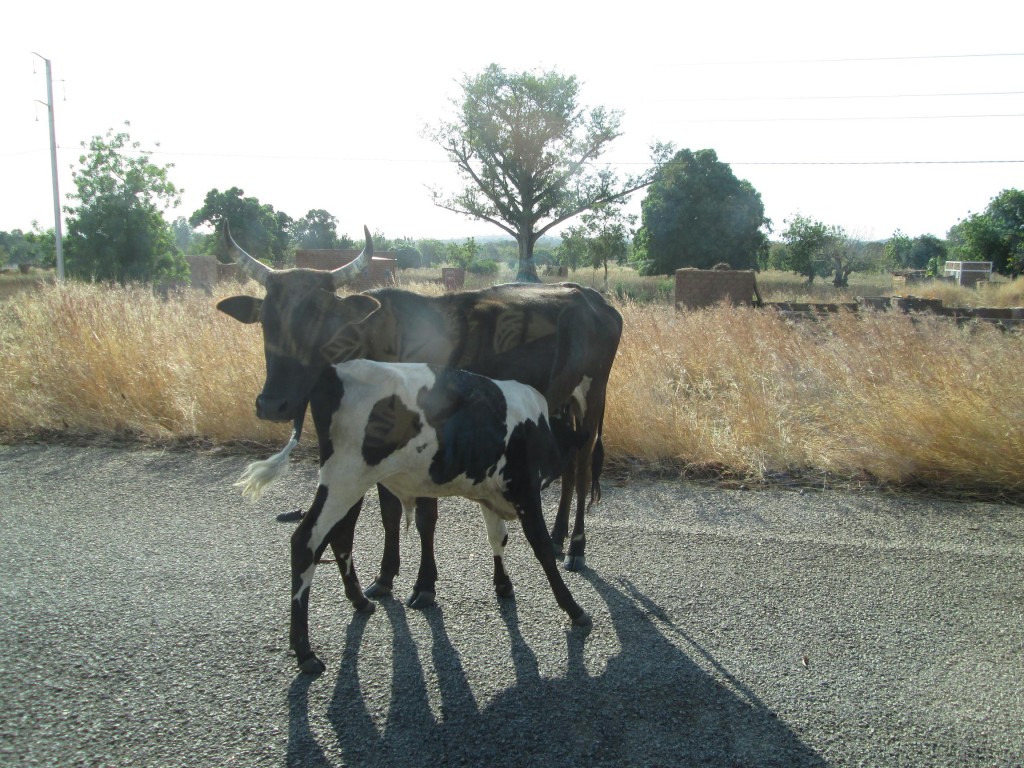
[(391, 519), (575, 558), (321, 524), (497, 534), (423, 592), (341, 541), (532, 520), (560, 528)]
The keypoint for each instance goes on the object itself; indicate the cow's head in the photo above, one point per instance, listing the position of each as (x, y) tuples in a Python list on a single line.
[(302, 321)]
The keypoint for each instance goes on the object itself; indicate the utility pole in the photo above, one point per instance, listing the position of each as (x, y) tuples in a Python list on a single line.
[(53, 168)]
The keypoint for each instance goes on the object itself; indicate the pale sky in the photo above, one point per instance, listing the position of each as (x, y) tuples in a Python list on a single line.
[(870, 115)]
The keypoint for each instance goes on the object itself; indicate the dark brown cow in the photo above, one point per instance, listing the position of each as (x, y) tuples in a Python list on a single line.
[(559, 339)]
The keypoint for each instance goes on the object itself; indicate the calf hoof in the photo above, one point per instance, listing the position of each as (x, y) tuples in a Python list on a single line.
[(290, 517), (575, 562), (377, 590), (420, 600), (312, 666), (582, 620), (504, 590), (365, 607)]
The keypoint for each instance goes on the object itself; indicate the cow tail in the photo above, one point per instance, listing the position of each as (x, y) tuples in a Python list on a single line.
[(260, 474)]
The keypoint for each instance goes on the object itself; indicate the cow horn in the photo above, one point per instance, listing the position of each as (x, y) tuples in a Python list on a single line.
[(257, 270), (348, 272)]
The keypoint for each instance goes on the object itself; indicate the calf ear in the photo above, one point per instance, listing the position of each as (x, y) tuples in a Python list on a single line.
[(245, 309)]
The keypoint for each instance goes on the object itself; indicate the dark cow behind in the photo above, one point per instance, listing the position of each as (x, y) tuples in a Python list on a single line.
[(559, 339), (421, 431)]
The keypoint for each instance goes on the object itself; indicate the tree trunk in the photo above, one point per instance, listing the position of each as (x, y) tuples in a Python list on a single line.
[(842, 278), (527, 269)]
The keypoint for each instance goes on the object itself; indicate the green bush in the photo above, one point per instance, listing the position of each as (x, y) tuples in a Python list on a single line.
[(484, 267)]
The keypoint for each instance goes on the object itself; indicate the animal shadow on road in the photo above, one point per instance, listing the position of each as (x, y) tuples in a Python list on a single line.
[(653, 705)]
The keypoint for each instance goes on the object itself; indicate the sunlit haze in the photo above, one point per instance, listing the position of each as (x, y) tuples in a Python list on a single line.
[(870, 116)]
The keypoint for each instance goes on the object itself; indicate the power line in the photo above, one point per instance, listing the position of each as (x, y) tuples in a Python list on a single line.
[(833, 97), (841, 119), (880, 162), (835, 162), (322, 157), (850, 59)]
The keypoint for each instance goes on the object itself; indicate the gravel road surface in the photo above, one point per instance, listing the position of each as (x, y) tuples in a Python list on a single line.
[(145, 608)]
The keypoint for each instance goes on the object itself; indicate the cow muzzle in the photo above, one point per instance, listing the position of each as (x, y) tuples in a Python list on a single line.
[(275, 408)]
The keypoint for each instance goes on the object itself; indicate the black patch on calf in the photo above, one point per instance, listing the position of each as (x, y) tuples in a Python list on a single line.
[(324, 402), (391, 426), (534, 460), (469, 414), (302, 556)]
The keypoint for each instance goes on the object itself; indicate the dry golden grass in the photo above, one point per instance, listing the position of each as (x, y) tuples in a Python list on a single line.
[(744, 391), (899, 399), (998, 293), (91, 359)]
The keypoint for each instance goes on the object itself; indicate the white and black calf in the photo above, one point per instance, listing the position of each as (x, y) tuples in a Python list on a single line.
[(422, 431)]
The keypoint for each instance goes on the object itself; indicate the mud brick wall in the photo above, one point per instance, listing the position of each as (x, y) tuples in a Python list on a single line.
[(203, 271), (453, 278), (696, 288), (380, 272), (228, 272)]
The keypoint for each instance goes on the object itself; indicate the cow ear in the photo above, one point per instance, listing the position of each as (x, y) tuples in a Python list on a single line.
[(358, 307), (245, 309)]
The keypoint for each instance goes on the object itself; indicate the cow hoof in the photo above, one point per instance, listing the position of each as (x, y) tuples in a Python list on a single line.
[(377, 590), (575, 562), (420, 600), (583, 620), (312, 666), (290, 517), (504, 590)]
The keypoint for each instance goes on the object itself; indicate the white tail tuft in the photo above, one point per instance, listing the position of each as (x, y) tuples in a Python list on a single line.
[(260, 474)]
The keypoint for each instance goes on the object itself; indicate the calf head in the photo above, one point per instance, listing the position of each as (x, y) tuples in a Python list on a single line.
[(301, 318)]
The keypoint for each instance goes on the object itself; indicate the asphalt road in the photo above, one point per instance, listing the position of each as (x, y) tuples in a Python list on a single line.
[(145, 606)]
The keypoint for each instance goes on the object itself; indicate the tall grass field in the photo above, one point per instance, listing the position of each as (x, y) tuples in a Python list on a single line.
[(868, 397)]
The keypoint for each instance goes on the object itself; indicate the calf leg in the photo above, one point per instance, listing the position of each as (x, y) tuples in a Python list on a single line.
[(423, 591), (497, 534), (533, 526), (391, 519), (327, 521)]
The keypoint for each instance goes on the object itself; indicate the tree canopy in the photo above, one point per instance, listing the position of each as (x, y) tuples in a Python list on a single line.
[(117, 230), (318, 229), (258, 228), (697, 214), (809, 245), (997, 235), (922, 252), (603, 235), (35, 247), (526, 151)]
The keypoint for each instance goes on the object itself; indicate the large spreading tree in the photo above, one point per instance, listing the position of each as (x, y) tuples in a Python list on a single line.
[(318, 229), (116, 229), (258, 228), (527, 152), (698, 214)]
